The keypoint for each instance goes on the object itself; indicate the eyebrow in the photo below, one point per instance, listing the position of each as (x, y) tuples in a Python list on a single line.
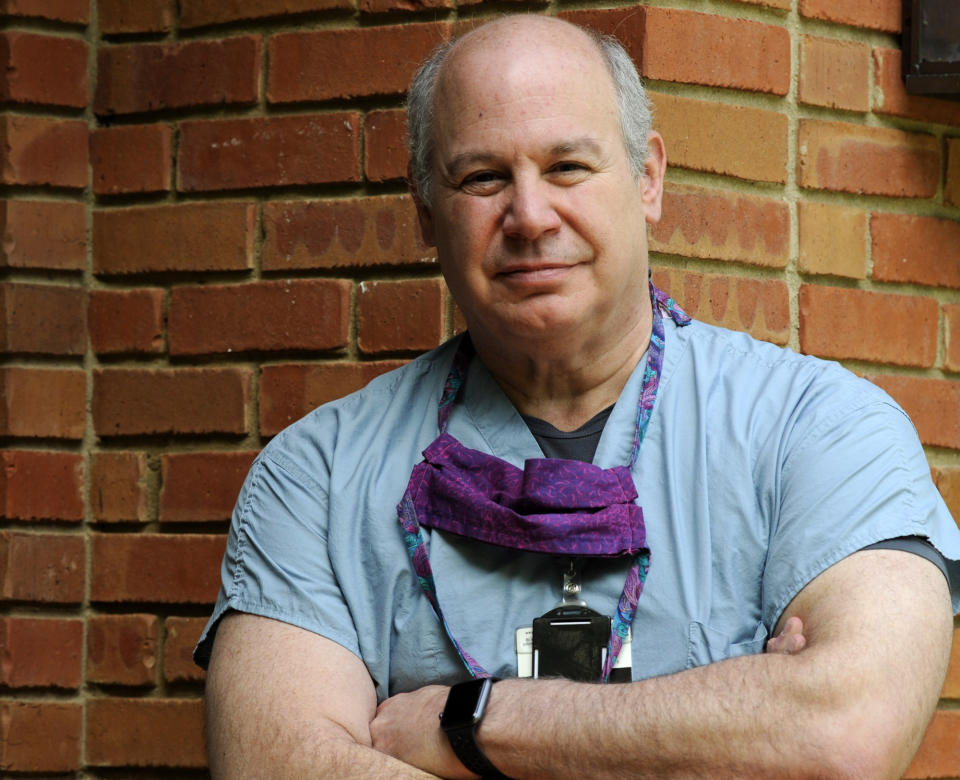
[(584, 144)]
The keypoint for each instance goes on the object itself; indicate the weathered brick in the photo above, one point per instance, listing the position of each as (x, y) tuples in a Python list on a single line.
[(43, 568), (834, 73), (269, 152), (890, 93), (132, 158), (841, 323), (185, 237), (41, 652), (734, 53), (627, 24), (871, 160), (332, 64), (937, 756), (137, 77), (182, 635), (40, 736), (396, 316), (833, 240), (933, 405), (354, 233), (115, 17), (201, 486), (70, 11), (118, 489), (385, 155), (948, 483), (909, 248), (43, 234), (289, 391), (883, 15), (701, 222), (122, 649), (760, 307), (128, 401), (43, 69), (126, 321), (37, 151), (749, 143), (385, 6), (163, 568), (140, 732), (259, 316), (41, 485), (44, 319), (951, 686), (200, 13), (42, 402), (951, 184), (952, 313)]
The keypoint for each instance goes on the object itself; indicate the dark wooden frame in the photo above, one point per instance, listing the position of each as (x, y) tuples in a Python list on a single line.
[(931, 63)]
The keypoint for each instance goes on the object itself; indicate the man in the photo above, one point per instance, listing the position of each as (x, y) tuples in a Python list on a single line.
[(762, 478)]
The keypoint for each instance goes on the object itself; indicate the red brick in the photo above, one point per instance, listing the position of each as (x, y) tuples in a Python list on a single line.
[(122, 649), (141, 732), (128, 401), (269, 152), (289, 391), (833, 240), (628, 25), (70, 11), (924, 250), (126, 321), (951, 185), (951, 686), (842, 323), (40, 736), (871, 160), (883, 15), (132, 158), (134, 16), (721, 225), (185, 237), (43, 152), (118, 487), (43, 234), (200, 13), (201, 486), (355, 233), (137, 77), (44, 69), (760, 307), (41, 652), (42, 402), (397, 316), (749, 143), (937, 756), (41, 485), (891, 95), (182, 635), (952, 313), (835, 73), (332, 64), (385, 6), (44, 319), (385, 155), (162, 568), (43, 568), (948, 483), (260, 316), (933, 405), (734, 53)]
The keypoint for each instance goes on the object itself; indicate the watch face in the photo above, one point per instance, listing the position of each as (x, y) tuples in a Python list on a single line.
[(466, 703)]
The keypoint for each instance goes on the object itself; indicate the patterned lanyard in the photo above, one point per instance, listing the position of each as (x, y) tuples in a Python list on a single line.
[(633, 586)]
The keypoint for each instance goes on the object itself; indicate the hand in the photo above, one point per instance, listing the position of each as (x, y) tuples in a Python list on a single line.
[(790, 640), (407, 727)]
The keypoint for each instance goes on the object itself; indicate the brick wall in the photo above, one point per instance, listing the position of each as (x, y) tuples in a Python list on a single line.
[(205, 233)]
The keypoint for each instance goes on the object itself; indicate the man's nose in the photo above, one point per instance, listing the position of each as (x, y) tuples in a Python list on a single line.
[(530, 211)]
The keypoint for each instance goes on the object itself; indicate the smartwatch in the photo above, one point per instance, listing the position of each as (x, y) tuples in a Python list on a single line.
[(462, 714)]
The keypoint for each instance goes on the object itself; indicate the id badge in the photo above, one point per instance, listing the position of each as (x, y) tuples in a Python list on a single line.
[(621, 671), (571, 642)]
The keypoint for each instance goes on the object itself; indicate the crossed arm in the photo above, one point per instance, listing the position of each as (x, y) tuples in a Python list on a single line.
[(283, 702)]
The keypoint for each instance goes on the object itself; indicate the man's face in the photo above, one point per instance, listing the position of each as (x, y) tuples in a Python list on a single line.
[(538, 219)]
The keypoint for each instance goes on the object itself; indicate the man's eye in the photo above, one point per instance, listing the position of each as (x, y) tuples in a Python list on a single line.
[(569, 168), (482, 182)]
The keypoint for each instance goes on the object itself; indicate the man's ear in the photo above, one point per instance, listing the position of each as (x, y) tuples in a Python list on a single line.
[(655, 169), (424, 217)]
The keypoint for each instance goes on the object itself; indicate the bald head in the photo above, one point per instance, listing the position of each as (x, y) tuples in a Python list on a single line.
[(505, 49)]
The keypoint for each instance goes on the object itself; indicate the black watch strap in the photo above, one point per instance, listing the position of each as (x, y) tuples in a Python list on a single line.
[(464, 744), (465, 707)]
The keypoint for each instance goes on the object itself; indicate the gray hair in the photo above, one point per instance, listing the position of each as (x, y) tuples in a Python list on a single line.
[(636, 119)]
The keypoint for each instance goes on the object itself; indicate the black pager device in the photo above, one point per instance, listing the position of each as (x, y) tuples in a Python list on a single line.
[(571, 642)]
